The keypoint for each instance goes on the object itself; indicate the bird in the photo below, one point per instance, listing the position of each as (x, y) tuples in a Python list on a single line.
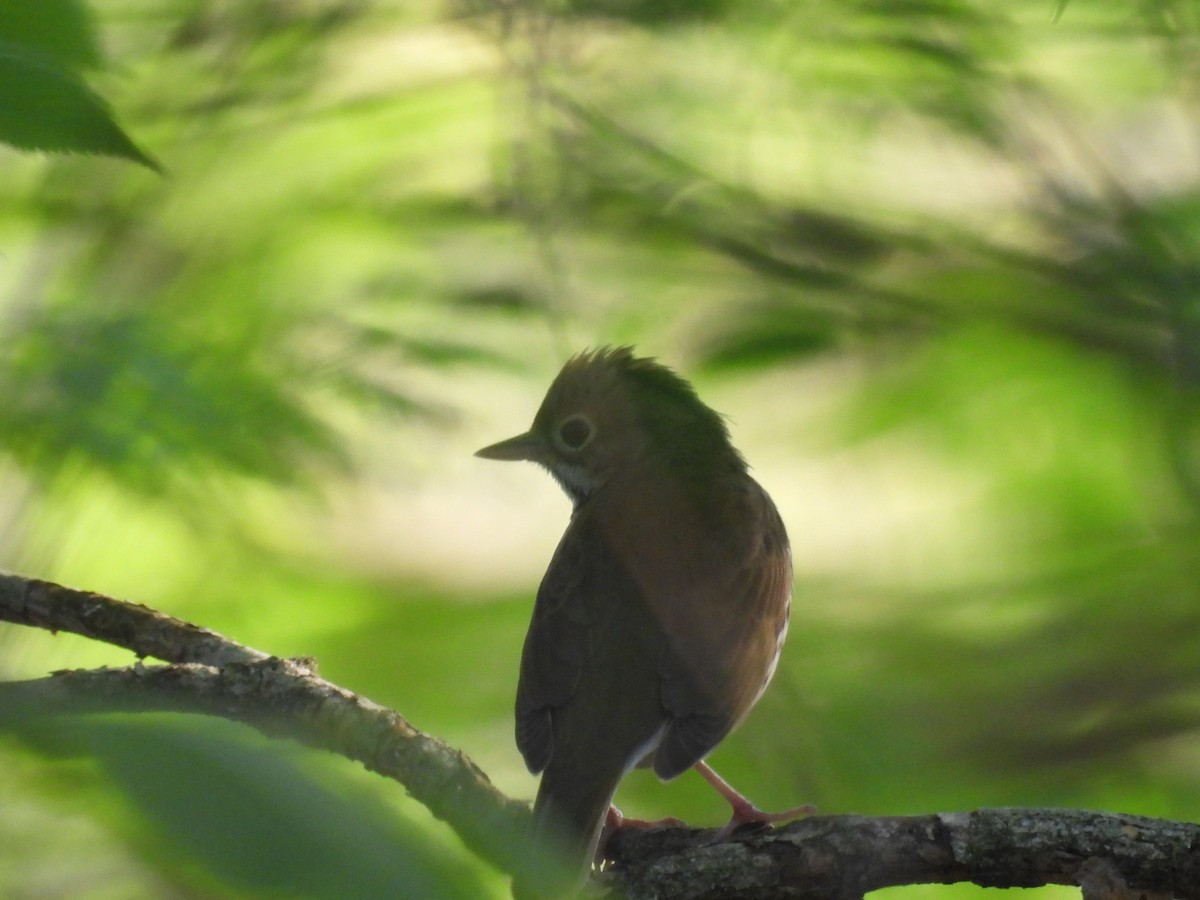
[(661, 617)]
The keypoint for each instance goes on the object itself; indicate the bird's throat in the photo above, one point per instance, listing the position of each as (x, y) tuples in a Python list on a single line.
[(576, 481)]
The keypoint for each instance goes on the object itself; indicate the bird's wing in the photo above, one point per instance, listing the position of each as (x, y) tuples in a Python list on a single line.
[(723, 651), (588, 704), (588, 686), (556, 645)]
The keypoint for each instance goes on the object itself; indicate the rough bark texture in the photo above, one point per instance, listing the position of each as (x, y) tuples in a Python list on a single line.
[(1111, 857), (145, 631), (842, 857)]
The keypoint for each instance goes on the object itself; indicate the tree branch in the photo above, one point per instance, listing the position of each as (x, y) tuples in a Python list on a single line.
[(844, 857), (214, 675), (829, 857), (145, 631)]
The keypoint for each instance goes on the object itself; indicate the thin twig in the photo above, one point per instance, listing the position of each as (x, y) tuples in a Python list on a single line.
[(214, 675), (145, 631)]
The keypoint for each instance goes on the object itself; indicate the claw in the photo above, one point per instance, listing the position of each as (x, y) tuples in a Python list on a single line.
[(745, 812), (615, 820)]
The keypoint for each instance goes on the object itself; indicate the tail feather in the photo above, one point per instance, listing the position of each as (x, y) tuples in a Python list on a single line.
[(568, 816)]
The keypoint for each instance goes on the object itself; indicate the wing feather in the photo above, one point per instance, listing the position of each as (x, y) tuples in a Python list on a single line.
[(555, 649), (722, 655)]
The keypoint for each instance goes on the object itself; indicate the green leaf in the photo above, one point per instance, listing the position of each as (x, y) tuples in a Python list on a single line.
[(61, 29), (45, 106)]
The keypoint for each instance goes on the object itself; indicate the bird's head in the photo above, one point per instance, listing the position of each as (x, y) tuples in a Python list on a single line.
[(609, 411)]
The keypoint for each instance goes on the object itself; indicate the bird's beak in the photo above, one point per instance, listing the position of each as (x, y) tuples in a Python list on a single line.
[(523, 446)]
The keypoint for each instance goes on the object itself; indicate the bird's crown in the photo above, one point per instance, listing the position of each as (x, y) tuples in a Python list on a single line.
[(609, 408)]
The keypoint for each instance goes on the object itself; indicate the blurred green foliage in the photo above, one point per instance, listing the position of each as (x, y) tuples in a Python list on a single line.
[(944, 254), (254, 816)]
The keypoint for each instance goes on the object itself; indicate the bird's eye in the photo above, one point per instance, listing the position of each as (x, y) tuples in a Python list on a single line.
[(575, 432)]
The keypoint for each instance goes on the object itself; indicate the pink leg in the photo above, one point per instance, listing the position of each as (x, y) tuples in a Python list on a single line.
[(745, 812)]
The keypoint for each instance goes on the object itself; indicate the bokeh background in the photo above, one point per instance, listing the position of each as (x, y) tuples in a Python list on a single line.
[(938, 260)]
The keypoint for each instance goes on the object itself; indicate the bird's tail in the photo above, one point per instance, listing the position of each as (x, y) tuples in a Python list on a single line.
[(568, 816)]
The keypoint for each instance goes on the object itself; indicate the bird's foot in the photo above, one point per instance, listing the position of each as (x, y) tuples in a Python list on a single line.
[(615, 820), (745, 812)]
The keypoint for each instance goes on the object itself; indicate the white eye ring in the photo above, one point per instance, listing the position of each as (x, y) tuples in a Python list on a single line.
[(574, 433)]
